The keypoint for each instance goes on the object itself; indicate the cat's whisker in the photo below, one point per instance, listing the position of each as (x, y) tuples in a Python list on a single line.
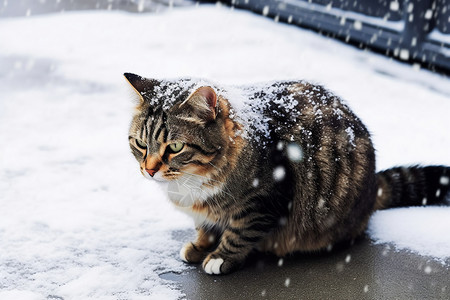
[(173, 175), (215, 166), (192, 185), (216, 169), (207, 178)]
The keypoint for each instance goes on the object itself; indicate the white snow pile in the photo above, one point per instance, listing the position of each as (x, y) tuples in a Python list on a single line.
[(420, 229), (77, 219)]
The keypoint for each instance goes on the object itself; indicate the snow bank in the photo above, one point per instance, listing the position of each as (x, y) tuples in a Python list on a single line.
[(77, 218), (419, 229)]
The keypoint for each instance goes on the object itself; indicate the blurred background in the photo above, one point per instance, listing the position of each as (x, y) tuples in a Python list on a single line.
[(21, 8), (414, 30)]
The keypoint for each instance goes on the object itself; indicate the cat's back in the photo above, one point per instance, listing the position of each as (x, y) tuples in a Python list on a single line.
[(288, 109)]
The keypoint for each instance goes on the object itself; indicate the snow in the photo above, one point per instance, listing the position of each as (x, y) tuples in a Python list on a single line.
[(394, 5), (418, 229), (428, 14), (279, 173), (437, 36), (255, 182), (444, 180), (348, 258), (79, 221), (294, 152), (351, 136)]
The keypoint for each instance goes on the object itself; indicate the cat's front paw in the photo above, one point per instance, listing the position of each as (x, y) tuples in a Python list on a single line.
[(192, 254), (214, 264)]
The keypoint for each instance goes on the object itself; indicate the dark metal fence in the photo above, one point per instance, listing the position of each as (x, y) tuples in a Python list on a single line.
[(410, 30)]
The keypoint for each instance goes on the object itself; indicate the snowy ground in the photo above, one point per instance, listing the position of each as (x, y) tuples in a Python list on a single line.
[(78, 221)]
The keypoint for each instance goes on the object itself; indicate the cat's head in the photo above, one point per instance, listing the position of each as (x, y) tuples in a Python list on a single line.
[(181, 129)]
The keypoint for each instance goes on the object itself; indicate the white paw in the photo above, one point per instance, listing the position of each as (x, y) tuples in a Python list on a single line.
[(213, 266), (183, 253)]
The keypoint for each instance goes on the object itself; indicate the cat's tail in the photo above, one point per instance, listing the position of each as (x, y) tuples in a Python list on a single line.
[(413, 186)]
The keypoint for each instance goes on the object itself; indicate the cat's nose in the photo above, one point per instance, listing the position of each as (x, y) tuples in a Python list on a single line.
[(151, 172)]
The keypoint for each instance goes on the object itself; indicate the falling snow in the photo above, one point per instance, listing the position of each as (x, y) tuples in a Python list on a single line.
[(255, 182), (280, 146), (283, 221), (321, 203), (394, 5), (279, 173), (438, 193), (380, 192), (428, 14), (340, 267), (348, 258), (404, 54), (357, 25), (287, 282), (280, 262), (294, 152)]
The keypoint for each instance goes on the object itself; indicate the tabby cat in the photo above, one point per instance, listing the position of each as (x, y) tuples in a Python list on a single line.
[(280, 168)]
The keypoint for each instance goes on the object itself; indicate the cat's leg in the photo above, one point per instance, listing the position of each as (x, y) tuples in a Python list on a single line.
[(195, 252), (235, 245)]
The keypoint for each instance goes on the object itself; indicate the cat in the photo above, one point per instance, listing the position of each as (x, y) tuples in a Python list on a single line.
[(280, 167)]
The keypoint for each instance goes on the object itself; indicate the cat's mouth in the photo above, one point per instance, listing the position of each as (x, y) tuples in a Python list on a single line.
[(158, 177)]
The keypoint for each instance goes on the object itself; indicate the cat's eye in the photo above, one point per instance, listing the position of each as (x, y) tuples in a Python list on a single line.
[(176, 147), (141, 144)]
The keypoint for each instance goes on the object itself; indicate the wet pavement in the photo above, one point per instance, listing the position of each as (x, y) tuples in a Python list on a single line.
[(359, 271)]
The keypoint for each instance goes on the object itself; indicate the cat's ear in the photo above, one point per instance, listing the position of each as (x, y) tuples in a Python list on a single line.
[(140, 84), (203, 103), (137, 83)]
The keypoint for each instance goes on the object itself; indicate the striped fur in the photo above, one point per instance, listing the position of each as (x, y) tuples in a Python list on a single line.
[(293, 170), (413, 186)]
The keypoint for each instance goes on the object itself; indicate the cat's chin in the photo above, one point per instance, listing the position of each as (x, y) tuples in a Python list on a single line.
[(185, 191), (180, 199)]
